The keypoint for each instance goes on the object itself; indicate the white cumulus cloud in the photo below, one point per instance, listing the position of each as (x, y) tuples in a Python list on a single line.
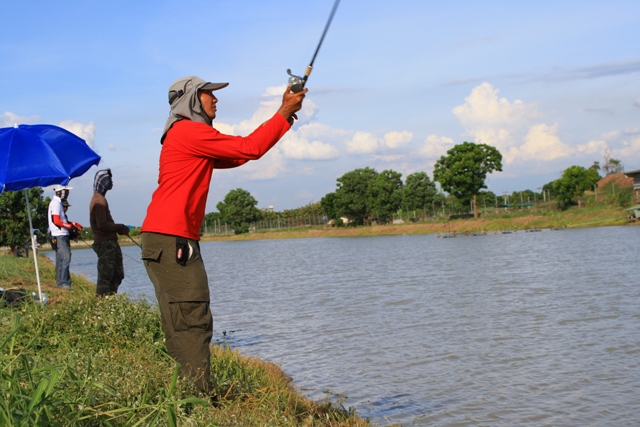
[(542, 143), (369, 143), (593, 146), (295, 147), (311, 141), (84, 131), (630, 146), (510, 127), (435, 146), (269, 166), (362, 143), (397, 139)]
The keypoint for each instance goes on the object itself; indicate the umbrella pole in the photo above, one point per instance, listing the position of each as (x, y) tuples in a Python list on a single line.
[(33, 246)]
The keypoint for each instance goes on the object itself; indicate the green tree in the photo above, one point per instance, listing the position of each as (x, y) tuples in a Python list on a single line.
[(463, 171), (575, 180), (310, 210), (328, 206), (210, 221), (385, 195), (14, 221), (418, 192), (351, 196), (487, 199), (239, 209)]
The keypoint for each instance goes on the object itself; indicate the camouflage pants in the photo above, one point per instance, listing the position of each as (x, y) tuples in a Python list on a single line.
[(110, 268)]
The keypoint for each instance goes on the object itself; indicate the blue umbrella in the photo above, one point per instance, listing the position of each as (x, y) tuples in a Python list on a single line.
[(39, 156)]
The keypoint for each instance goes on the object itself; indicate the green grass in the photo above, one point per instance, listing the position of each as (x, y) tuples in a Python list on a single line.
[(86, 361)]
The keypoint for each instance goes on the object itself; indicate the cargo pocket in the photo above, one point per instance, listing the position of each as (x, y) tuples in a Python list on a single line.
[(189, 309), (151, 254), (190, 316)]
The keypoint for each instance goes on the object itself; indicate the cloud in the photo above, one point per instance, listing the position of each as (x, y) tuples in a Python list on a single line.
[(542, 143), (362, 143), (435, 146), (369, 143), (483, 108), (269, 166), (9, 119), (491, 120), (593, 146), (509, 126), (637, 102), (84, 131), (295, 147), (310, 142), (630, 145), (224, 128), (397, 139), (623, 144), (272, 99)]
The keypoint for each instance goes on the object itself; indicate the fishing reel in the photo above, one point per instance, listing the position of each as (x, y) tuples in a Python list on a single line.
[(296, 82)]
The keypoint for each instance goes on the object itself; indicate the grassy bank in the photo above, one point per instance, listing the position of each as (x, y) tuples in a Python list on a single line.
[(84, 361), (592, 216)]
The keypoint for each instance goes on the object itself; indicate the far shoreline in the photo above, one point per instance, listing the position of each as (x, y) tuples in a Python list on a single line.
[(516, 221)]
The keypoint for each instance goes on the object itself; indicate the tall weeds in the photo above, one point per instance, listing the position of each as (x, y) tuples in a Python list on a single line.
[(86, 361)]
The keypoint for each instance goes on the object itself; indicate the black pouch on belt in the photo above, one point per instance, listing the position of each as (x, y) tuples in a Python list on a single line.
[(182, 250)]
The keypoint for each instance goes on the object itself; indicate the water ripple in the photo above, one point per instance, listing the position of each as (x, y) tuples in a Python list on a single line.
[(526, 329)]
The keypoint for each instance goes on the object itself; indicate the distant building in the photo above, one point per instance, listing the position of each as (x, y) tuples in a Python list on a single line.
[(636, 183)]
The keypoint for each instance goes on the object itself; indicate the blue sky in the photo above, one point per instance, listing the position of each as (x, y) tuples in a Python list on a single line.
[(396, 84)]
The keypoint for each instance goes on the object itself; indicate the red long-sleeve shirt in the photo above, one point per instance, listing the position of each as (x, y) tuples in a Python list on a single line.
[(190, 152)]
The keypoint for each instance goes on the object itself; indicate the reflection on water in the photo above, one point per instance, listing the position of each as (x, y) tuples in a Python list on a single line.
[(526, 329)]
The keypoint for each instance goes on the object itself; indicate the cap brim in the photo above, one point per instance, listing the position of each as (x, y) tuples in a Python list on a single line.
[(214, 86)]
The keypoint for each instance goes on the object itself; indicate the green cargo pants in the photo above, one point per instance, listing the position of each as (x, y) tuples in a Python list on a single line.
[(183, 298)]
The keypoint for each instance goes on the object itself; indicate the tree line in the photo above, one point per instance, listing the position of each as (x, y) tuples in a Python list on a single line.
[(365, 196), (362, 196)]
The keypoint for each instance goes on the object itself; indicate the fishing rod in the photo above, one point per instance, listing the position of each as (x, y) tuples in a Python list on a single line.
[(296, 82), (136, 260), (134, 241)]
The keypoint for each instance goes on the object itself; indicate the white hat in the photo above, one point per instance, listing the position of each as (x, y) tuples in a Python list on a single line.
[(61, 187)]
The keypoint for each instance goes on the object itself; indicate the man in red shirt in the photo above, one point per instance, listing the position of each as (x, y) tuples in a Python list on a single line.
[(191, 150)]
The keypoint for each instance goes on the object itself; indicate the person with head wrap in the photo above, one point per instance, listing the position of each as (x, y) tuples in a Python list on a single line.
[(105, 232), (191, 150), (59, 229)]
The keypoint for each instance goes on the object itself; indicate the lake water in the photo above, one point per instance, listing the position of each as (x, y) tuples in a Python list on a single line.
[(523, 329)]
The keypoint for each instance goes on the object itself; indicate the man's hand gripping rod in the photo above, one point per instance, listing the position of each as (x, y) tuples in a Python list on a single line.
[(296, 82)]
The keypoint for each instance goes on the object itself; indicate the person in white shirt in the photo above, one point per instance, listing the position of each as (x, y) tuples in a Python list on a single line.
[(59, 227)]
